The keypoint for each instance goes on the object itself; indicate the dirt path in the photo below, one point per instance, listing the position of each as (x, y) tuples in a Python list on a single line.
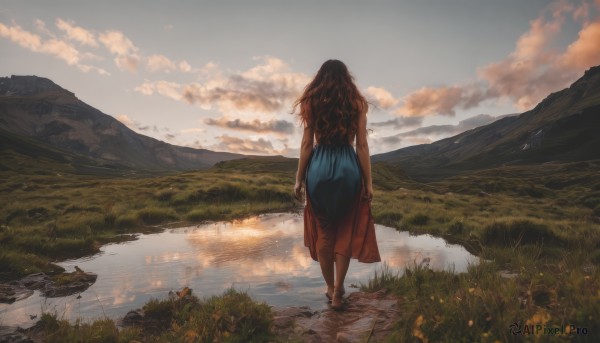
[(368, 317)]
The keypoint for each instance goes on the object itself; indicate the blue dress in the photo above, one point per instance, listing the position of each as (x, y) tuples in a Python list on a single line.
[(333, 181)]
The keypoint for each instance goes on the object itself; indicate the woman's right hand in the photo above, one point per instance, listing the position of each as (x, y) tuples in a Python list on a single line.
[(368, 193)]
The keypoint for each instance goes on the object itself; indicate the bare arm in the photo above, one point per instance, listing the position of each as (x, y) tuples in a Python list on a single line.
[(364, 158), (306, 148)]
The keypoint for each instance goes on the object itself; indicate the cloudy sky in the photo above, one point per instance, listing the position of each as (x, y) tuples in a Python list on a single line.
[(222, 75)]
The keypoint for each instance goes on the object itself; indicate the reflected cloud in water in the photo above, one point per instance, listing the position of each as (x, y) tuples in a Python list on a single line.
[(264, 256)]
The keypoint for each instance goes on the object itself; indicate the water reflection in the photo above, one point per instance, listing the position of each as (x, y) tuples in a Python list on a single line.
[(263, 255)]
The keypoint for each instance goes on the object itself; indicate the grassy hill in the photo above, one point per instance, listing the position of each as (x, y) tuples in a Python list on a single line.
[(563, 127), (35, 108)]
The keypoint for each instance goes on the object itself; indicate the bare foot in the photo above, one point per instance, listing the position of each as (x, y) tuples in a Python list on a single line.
[(337, 302)]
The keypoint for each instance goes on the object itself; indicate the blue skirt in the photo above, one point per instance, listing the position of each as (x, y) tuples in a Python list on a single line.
[(333, 181)]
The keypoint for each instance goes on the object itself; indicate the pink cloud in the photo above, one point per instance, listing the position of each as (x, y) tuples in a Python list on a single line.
[(528, 74), (77, 33), (61, 49), (165, 88), (534, 70), (428, 100), (22, 37), (123, 118), (185, 67), (381, 97), (156, 63), (126, 52), (268, 87), (117, 43), (585, 51)]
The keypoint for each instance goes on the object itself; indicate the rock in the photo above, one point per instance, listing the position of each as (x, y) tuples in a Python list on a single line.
[(71, 283), (7, 294), (35, 281), (285, 317), (53, 291), (13, 291), (134, 317), (588, 268), (507, 274), (366, 316), (9, 334)]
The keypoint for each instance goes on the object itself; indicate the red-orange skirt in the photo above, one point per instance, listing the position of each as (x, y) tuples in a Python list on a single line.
[(353, 234)]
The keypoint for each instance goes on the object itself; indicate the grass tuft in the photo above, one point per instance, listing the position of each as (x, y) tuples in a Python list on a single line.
[(230, 317), (155, 215)]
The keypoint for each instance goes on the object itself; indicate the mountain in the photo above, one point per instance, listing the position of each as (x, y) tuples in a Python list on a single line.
[(37, 108), (563, 127)]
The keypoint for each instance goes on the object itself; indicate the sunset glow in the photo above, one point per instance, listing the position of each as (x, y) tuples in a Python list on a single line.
[(223, 75)]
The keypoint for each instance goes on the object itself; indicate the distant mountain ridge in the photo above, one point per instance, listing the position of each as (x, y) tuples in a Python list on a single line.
[(563, 127), (36, 107)]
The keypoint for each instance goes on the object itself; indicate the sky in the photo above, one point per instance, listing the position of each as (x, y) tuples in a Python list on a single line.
[(222, 75)]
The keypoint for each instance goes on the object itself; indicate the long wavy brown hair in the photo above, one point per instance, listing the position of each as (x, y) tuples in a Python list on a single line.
[(331, 104)]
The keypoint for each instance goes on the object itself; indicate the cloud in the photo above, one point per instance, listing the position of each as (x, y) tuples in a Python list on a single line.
[(22, 37), (57, 48), (209, 69), (77, 33), (276, 126), (40, 26), (87, 68), (266, 88), (133, 124), (447, 130), (427, 100), (528, 74), (165, 88), (123, 118), (534, 69), (126, 53), (156, 63), (399, 123), (476, 121), (244, 145), (185, 67), (117, 43), (390, 140), (381, 97), (582, 12), (585, 51), (390, 143), (53, 46), (62, 50), (427, 134), (193, 130)]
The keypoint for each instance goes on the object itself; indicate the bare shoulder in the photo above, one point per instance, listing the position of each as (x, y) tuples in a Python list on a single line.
[(363, 107)]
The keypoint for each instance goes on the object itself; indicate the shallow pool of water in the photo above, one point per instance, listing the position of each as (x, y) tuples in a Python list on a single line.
[(263, 255)]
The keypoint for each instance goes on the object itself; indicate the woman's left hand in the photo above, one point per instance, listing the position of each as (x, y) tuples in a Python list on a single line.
[(298, 190)]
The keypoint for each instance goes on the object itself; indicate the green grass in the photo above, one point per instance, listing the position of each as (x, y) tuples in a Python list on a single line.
[(230, 317), (480, 305), (538, 222), (541, 223), (65, 215)]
